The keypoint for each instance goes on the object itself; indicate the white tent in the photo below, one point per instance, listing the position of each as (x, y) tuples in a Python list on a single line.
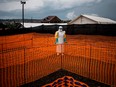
[(89, 19), (28, 25)]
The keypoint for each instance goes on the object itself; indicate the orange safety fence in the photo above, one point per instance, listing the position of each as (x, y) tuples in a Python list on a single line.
[(17, 45), (26, 65), (16, 41), (15, 38), (35, 57), (12, 68), (96, 63)]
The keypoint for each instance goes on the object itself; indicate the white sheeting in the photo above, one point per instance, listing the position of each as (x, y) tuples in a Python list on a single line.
[(100, 19), (28, 25)]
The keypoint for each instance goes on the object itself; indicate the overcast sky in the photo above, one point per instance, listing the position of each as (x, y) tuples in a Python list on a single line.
[(64, 9)]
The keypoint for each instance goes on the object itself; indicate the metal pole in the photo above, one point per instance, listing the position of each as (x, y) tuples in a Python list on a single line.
[(23, 2), (23, 14)]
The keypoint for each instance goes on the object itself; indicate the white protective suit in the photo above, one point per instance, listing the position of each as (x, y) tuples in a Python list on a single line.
[(60, 39)]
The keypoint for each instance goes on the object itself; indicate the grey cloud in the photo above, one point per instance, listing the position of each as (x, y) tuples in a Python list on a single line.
[(10, 15), (105, 8), (5, 1)]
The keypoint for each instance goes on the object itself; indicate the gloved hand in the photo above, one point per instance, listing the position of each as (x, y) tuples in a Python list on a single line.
[(65, 40), (56, 41)]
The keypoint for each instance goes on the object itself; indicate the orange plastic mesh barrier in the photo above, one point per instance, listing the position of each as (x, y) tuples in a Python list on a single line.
[(15, 38), (28, 57)]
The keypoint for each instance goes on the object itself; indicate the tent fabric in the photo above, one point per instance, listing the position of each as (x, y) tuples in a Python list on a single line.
[(99, 20)]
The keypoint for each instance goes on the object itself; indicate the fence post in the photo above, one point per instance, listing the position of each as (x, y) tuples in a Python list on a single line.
[(61, 61), (90, 61), (24, 67)]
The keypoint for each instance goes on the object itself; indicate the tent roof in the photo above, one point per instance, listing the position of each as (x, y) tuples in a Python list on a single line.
[(99, 20)]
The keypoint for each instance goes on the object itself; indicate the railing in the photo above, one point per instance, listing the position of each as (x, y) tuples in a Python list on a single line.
[(27, 64)]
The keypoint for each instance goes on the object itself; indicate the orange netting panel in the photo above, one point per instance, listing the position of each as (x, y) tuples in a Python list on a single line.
[(28, 57)]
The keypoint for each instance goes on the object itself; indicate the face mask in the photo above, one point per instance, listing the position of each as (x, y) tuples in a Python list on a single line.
[(60, 29)]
